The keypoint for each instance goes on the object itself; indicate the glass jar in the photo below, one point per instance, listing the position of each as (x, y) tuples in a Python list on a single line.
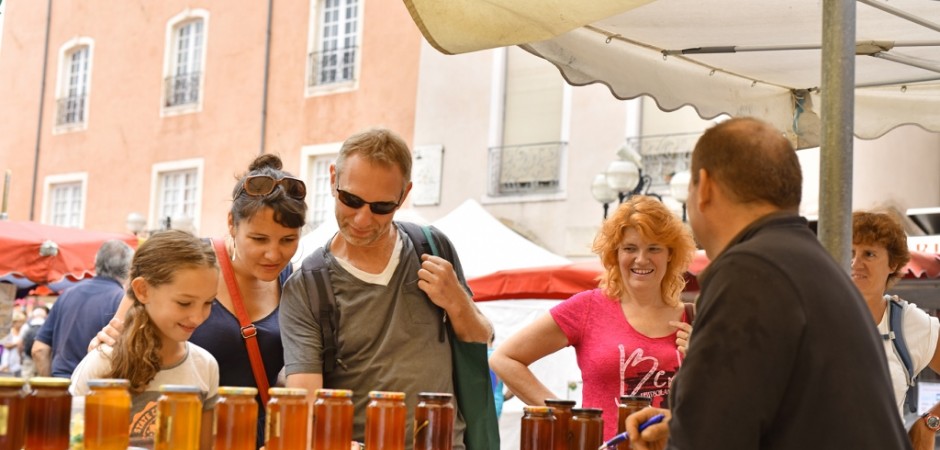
[(629, 404), (434, 422), (332, 419), (236, 418), (385, 420), (587, 428), (179, 417), (538, 428), (12, 413), (48, 413), (107, 415), (286, 421), (561, 409)]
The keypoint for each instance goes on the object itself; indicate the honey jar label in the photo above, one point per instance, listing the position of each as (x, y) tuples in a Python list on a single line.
[(4, 419)]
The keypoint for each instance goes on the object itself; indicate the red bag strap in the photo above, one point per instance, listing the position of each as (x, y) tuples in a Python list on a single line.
[(248, 331)]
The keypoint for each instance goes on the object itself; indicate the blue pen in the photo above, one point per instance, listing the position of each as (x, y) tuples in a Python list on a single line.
[(624, 436)]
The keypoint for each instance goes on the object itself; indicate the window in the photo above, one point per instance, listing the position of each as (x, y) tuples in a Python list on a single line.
[(73, 85), (316, 173), (528, 159), (65, 199), (177, 191), (185, 60), (333, 57)]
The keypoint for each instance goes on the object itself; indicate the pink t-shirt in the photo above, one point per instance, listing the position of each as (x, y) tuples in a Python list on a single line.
[(614, 358)]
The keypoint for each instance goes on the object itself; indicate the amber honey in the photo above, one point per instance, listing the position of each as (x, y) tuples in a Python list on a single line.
[(385, 420), (286, 420), (48, 413), (538, 428), (629, 404), (179, 418), (434, 422), (332, 419), (107, 415), (587, 429), (561, 409), (236, 418), (12, 413)]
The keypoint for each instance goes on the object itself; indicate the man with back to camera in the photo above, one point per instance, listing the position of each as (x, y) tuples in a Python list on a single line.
[(388, 333), (783, 354), (81, 311)]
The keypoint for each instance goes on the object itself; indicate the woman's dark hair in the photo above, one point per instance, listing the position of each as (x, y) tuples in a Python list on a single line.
[(288, 211), (136, 354)]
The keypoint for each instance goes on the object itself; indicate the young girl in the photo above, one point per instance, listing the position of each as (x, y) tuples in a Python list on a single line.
[(173, 281)]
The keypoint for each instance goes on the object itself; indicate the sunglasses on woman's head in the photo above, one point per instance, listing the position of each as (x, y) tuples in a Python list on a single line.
[(261, 185), (355, 202)]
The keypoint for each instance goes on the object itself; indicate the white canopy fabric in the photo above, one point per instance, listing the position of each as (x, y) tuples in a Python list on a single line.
[(483, 244), (761, 58)]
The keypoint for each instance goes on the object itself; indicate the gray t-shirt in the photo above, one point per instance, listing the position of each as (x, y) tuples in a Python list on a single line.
[(389, 338)]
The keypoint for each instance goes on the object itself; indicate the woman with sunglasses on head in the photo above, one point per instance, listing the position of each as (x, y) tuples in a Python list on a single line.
[(264, 223)]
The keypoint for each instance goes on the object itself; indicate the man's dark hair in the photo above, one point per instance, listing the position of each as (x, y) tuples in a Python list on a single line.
[(752, 161)]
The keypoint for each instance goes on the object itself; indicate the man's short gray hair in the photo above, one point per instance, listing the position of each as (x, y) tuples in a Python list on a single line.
[(113, 259)]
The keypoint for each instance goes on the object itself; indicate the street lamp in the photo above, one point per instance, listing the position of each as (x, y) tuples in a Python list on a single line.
[(623, 179), (679, 188), (136, 223)]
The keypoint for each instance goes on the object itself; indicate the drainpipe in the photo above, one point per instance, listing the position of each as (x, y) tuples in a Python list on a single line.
[(42, 101), (267, 70)]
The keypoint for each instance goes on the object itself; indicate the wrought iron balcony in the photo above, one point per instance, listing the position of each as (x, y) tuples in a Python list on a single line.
[(664, 155), (526, 169), (182, 89), (70, 110), (332, 66)]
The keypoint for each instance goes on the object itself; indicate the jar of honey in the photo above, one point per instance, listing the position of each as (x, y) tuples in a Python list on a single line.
[(587, 428), (332, 419), (434, 422), (236, 418), (538, 428), (385, 420), (48, 413), (629, 404), (179, 417), (286, 420), (12, 413), (561, 409), (107, 415)]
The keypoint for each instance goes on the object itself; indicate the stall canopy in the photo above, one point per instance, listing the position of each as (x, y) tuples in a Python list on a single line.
[(743, 58), (33, 253), (561, 282)]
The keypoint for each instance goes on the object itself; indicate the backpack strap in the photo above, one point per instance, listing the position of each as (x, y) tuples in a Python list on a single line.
[(896, 336), (315, 273), (425, 240)]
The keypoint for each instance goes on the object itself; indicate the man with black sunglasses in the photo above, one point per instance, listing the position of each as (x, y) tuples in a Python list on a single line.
[(388, 335)]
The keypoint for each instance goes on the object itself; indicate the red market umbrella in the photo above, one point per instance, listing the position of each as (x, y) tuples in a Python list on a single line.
[(561, 282), (45, 254)]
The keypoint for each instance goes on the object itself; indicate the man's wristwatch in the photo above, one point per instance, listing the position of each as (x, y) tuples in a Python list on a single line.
[(932, 421)]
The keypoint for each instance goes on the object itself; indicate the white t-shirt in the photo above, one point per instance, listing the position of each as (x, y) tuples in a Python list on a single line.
[(198, 368), (920, 335)]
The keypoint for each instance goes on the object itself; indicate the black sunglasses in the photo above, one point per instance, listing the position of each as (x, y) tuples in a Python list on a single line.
[(355, 202), (261, 185)]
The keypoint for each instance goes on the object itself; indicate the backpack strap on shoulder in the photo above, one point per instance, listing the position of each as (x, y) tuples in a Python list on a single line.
[(316, 274), (896, 335), (425, 240)]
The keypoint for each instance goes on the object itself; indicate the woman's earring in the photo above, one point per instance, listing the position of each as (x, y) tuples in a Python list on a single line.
[(233, 251)]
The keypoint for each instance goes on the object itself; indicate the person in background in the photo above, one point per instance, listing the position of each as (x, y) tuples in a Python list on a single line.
[(264, 223), (879, 254), (80, 311), (11, 359), (624, 333), (173, 282), (36, 318), (783, 355)]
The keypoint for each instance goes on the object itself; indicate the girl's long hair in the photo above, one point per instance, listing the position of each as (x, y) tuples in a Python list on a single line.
[(136, 354)]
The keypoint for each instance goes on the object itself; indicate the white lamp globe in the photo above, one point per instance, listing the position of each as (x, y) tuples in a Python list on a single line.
[(601, 190), (679, 185), (623, 176)]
